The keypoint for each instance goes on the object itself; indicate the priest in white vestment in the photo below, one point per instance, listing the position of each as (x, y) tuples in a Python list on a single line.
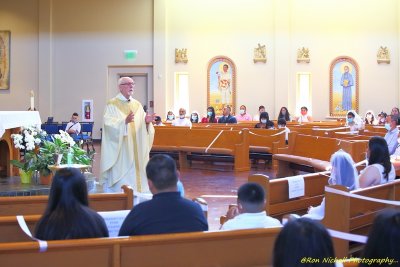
[(126, 141)]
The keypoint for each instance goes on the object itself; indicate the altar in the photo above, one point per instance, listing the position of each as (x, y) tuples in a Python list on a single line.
[(10, 123)]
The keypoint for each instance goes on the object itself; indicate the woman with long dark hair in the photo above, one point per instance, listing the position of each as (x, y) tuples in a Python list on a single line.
[(284, 114), (379, 170), (210, 116), (67, 215)]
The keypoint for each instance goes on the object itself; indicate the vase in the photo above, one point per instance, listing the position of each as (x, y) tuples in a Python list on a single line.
[(57, 159), (26, 176)]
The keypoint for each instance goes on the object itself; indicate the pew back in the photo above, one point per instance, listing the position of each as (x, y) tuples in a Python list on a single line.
[(226, 248), (31, 205)]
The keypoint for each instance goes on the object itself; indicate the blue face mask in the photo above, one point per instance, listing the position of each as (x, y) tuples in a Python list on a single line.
[(209, 113), (350, 120), (387, 126)]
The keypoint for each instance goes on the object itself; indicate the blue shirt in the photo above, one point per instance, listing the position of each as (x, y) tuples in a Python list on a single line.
[(166, 213), (229, 119)]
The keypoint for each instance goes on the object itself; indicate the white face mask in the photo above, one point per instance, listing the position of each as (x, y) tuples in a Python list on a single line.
[(387, 126), (369, 117), (242, 111), (263, 120), (194, 118), (182, 116), (170, 117)]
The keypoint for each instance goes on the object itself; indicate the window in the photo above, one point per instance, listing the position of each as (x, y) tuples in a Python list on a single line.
[(303, 91), (181, 91)]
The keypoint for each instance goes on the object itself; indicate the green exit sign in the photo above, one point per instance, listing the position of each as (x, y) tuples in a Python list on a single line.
[(130, 54)]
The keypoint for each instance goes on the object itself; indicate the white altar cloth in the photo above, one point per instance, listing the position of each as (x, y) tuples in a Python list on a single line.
[(14, 119)]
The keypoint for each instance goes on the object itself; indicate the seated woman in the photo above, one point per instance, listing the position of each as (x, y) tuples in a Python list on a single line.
[(370, 118), (383, 239), (284, 114), (210, 116), (353, 120), (170, 117), (343, 173), (67, 215), (304, 117), (379, 170), (303, 239), (194, 117), (264, 123), (382, 118)]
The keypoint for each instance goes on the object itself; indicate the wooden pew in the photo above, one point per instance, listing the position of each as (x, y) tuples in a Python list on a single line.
[(32, 205), (314, 153), (204, 142), (226, 248), (352, 215), (278, 202)]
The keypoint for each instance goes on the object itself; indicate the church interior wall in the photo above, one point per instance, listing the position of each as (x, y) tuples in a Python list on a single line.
[(83, 38)]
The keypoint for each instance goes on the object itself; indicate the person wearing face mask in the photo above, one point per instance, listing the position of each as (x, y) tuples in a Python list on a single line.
[(194, 117), (392, 134), (353, 120), (210, 116), (170, 117), (304, 117), (243, 116), (264, 123), (182, 120), (282, 125), (370, 118), (343, 173)]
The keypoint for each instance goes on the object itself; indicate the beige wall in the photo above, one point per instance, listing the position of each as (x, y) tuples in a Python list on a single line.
[(62, 49), (21, 20)]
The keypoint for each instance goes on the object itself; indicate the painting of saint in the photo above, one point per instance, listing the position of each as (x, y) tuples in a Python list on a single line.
[(5, 60), (343, 86), (221, 83)]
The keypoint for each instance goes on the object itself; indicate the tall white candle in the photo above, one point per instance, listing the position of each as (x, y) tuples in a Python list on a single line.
[(32, 101)]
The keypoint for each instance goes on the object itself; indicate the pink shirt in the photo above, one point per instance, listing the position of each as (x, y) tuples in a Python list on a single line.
[(244, 117)]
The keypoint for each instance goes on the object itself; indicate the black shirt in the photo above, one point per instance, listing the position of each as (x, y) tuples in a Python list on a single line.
[(166, 213)]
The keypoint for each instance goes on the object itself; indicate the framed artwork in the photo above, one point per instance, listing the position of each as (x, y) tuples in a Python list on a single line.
[(344, 86), (87, 110), (221, 84), (5, 39)]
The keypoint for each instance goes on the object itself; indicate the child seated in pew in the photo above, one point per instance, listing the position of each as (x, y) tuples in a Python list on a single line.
[(300, 240), (67, 215), (250, 210), (379, 170), (343, 173), (383, 240), (282, 125)]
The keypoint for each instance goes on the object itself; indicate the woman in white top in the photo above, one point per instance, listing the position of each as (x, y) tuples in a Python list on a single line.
[(354, 121), (343, 173), (379, 170)]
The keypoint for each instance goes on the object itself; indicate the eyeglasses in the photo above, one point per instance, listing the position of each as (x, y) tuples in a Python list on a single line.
[(128, 84)]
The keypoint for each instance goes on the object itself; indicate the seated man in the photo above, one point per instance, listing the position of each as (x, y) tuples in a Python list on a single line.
[(167, 212), (73, 127), (250, 211), (392, 134), (182, 120), (227, 117)]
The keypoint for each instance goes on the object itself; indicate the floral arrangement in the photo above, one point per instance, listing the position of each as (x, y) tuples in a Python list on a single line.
[(40, 149)]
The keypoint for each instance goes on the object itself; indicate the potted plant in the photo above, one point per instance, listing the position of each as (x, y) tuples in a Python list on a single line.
[(27, 141)]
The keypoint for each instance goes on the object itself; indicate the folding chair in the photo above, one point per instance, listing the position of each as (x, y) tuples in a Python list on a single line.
[(86, 135)]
